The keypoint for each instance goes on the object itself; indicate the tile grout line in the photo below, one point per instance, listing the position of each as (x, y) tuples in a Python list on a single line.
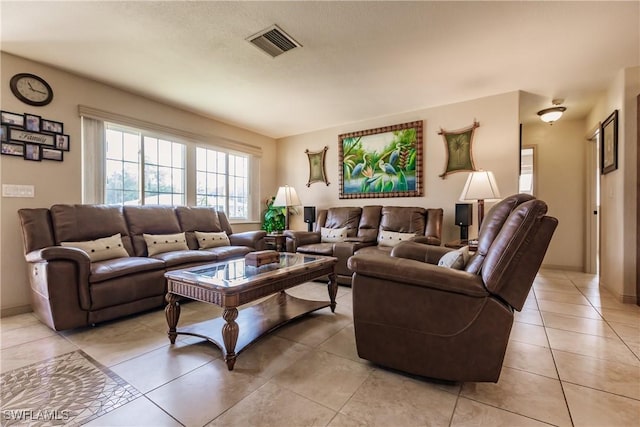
[(555, 365)]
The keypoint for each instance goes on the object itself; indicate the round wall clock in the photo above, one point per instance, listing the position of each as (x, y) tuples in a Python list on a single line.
[(31, 89)]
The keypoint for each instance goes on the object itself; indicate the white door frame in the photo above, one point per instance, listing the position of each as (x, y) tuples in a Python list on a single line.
[(592, 222)]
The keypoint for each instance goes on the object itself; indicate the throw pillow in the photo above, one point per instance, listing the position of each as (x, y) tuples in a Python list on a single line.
[(101, 249), (333, 235), (455, 259), (212, 240), (160, 243), (392, 238)]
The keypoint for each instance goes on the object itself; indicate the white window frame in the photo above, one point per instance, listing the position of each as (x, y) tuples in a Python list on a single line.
[(93, 147)]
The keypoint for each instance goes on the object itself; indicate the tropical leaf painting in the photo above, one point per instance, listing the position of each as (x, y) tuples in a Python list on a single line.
[(458, 146), (382, 162)]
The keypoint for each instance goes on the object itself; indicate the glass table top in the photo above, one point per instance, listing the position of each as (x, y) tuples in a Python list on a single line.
[(235, 272)]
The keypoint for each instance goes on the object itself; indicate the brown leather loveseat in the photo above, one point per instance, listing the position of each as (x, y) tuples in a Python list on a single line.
[(413, 315), (70, 290), (368, 229)]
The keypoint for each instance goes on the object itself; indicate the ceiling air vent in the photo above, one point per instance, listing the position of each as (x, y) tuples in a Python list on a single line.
[(274, 41)]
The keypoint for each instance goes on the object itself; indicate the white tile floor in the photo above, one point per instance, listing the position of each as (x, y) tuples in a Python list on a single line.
[(573, 359)]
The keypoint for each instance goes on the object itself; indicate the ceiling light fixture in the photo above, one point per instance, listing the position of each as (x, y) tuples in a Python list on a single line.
[(550, 115)]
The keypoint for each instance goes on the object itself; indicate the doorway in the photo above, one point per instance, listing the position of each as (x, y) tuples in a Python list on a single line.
[(592, 232)]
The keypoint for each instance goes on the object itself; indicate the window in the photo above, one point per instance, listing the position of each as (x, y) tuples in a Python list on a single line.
[(222, 181), (144, 168), (159, 179), (527, 170)]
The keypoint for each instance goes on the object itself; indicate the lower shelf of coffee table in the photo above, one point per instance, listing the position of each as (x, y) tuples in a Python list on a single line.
[(256, 320)]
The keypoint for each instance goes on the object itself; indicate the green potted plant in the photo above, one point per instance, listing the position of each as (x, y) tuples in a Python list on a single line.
[(274, 217)]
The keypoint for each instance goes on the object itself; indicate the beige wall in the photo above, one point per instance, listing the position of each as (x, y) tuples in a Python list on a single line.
[(495, 148), (560, 171), (618, 256), (61, 182)]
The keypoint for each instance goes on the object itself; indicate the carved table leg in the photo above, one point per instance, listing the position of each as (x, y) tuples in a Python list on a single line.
[(230, 335), (332, 286), (172, 311)]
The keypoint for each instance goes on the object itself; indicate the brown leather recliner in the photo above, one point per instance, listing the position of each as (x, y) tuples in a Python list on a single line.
[(412, 315)]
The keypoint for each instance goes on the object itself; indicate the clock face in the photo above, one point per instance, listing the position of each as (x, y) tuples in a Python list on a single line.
[(31, 89)]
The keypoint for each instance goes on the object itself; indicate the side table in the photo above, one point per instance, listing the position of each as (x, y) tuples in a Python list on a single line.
[(277, 241)]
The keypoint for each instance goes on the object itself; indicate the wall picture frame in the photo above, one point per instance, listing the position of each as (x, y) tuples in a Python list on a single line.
[(317, 167), (609, 145), (12, 149), (381, 162), (33, 152), (13, 119), (458, 145), (52, 126), (32, 122), (25, 136), (62, 142), (52, 154)]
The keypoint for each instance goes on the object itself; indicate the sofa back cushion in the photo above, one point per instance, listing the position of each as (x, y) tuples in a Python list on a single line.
[(343, 217), (149, 220), (433, 226), (202, 219), (369, 223), (37, 231), (517, 251), (78, 223), (491, 226), (403, 219)]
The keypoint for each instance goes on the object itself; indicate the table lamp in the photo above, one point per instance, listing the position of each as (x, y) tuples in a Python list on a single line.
[(480, 186), (286, 197)]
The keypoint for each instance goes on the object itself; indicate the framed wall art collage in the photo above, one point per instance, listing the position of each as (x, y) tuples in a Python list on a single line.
[(32, 137)]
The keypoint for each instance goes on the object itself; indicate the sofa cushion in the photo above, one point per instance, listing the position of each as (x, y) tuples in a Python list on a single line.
[(203, 219), (392, 238), (403, 219), (150, 220), (161, 243), (183, 257), (317, 249), (212, 240), (226, 252), (101, 249), (118, 267), (80, 223), (333, 235), (343, 217)]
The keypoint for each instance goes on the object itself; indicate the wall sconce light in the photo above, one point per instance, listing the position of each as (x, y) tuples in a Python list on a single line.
[(550, 115)]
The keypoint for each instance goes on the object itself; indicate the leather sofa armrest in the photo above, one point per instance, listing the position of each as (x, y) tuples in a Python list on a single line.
[(420, 252), (300, 238), (412, 272), (253, 239), (62, 287), (360, 240), (428, 240)]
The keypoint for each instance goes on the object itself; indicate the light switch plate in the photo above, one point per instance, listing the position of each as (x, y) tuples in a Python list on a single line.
[(15, 190)]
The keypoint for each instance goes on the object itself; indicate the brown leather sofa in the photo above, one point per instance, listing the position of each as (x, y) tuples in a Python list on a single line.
[(69, 291), (415, 316), (364, 227)]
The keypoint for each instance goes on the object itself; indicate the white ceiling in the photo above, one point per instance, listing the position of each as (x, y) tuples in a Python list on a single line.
[(359, 60)]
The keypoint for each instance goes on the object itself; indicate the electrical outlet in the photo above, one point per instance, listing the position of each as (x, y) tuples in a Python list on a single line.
[(15, 190)]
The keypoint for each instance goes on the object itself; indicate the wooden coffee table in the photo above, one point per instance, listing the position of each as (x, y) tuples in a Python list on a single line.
[(230, 284)]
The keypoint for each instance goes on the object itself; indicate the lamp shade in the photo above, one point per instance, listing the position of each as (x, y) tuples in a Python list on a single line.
[(287, 197), (480, 185)]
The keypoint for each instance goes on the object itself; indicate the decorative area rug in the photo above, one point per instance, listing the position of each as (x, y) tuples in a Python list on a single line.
[(70, 389)]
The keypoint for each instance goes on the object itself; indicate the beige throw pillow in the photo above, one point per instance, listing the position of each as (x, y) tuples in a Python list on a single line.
[(161, 243), (455, 259), (212, 240), (333, 235), (392, 238), (101, 249)]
